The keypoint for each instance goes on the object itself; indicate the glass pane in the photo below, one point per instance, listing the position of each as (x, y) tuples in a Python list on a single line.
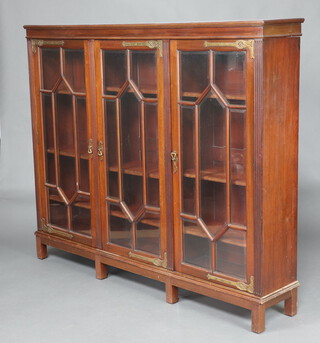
[(231, 254), (188, 159), (132, 192), (196, 246), (131, 150), (112, 146), (131, 131), (119, 227), (51, 174), (238, 167), (144, 72), (58, 211), (84, 181), (152, 165), (194, 74), (50, 67), (74, 69), (230, 74), (212, 139), (115, 71), (67, 175), (82, 127), (238, 204), (81, 220), (48, 120), (64, 118), (238, 148), (148, 233), (213, 205)]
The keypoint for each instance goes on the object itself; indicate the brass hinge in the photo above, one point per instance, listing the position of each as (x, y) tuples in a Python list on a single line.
[(40, 42), (49, 229), (152, 44), (239, 44), (239, 284), (156, 261)]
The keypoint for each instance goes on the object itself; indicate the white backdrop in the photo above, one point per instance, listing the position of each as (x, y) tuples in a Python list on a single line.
[(80, 309)]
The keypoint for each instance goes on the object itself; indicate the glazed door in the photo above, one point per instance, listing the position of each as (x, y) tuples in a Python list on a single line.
[(211, 143), (63, 102), (130, 103)]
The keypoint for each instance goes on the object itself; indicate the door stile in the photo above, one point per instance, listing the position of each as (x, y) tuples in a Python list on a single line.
[(92, 122), (102, 185), (37, 133), (250, 77), (164, 150), (175, 139)]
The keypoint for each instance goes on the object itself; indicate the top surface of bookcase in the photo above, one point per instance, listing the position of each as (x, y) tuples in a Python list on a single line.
[(228, 29)]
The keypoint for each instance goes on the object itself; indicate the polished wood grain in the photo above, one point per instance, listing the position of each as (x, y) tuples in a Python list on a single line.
[(270, 100), (232, 30), (280, 158), (174, 278), (171, 293), (258, 318), (101, 269), (290, 304), (42, 252)]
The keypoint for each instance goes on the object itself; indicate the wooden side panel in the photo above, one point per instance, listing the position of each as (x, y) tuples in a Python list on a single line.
[(280, 162)]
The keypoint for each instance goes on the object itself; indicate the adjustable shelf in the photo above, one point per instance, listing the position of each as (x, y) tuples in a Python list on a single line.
[(216, 174), (134, 168), (68, 153)]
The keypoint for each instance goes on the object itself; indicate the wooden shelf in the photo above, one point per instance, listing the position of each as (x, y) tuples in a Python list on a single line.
[(82, 204), (134, 168), (232, 239), (68, 153), (197, 231), (216, 174), (228, 96), (151, 219), (142, 90)]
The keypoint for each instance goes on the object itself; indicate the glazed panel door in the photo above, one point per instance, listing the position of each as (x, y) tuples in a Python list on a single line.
[(63, 91), (130, 102), (211, 143)]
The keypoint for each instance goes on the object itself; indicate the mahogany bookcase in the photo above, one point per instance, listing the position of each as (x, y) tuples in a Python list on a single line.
[(170, 151)]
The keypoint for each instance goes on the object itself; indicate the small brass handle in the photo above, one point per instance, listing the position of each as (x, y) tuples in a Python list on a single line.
[(100, 150), (90, 148), (174, 159)]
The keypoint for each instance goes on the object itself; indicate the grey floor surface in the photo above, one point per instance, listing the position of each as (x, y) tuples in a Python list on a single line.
[(59, 299)]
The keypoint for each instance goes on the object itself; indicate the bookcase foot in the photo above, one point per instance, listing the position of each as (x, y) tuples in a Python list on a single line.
[(290, 304), (42, 252), (101, 269), (171, 293), (258, 319)]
